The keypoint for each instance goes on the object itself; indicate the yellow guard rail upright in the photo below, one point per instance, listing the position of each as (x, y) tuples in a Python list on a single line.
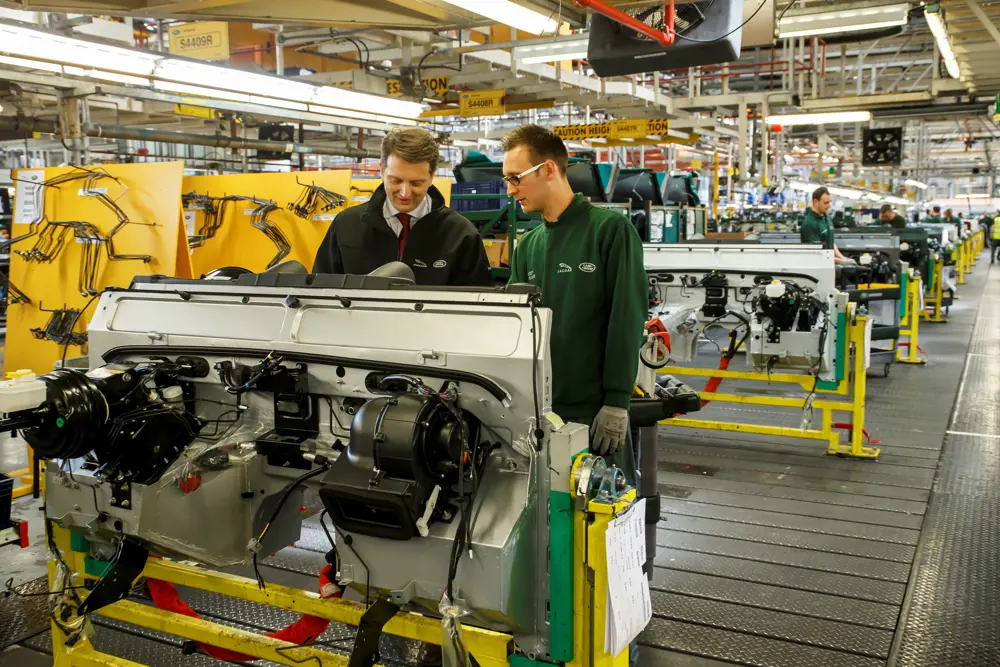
[(909, 322), (852, 385)]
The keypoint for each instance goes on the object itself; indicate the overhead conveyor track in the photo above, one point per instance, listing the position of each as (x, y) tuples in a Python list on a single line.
[(775, 555)]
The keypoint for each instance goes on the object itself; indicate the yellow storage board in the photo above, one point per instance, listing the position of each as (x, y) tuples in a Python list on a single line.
[(146, 193), (236, 243)]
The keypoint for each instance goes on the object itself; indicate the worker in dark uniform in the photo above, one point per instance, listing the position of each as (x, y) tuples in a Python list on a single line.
[(588, 263), (817, 228), (406, 220), (889, 217), (935, 217)]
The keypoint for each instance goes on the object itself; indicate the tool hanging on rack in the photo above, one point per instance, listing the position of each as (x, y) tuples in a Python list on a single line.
[(15, 296), (258, 220), (123, 220), (313, 197), (205, 204), (38, 195), (91, 239), (59, 328)]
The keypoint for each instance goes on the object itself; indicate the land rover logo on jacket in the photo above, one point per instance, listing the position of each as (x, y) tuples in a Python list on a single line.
[(587, 267), (440, 264), (564, 268)]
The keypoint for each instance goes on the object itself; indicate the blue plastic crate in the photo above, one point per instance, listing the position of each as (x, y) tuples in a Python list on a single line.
[(483, 188)]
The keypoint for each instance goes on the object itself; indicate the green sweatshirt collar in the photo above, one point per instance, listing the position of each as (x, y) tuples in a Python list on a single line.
[(576, 210)]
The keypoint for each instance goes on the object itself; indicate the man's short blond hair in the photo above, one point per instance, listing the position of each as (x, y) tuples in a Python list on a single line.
[(412, 144)]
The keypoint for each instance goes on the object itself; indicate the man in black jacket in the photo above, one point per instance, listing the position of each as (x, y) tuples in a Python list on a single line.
[(406, 220)]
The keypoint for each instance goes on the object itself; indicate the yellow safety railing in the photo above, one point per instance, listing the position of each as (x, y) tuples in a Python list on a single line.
[(488, 647), (853, 387), (909, 324), (935, 299)]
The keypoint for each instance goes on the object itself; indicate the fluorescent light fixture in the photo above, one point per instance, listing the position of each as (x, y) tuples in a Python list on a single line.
[(871, 196), (106, 76), (787, 120), (509, 13), (33, 64), (847, 19), (935, 21), (977, 195), (278, 104), (537, 60), (844, 192), (26, 42), (554, 51), (184, 89), (897, 200), (23, 46), (915, 184)]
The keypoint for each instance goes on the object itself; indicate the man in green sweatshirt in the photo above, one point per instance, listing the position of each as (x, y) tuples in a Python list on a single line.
[(816, 226), (887, 216), (935, 217), (588, 263)]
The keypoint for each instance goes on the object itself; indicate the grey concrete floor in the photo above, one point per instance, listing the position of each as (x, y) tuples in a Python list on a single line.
[(22, 564)]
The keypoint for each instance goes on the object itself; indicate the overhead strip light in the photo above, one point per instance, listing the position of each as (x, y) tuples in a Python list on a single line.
[(788, 120), (935, 21), (23, 46), (915, 184), (533, 54), (847, 19), (510, 13)]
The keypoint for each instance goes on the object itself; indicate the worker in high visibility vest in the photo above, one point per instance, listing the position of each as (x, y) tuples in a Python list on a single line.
[(995, 238)]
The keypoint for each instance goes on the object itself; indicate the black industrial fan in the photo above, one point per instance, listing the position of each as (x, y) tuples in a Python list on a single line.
[(707, 32), (882, 146)]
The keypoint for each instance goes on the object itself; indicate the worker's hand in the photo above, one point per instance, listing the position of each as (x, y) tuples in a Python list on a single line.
[(607, 434)]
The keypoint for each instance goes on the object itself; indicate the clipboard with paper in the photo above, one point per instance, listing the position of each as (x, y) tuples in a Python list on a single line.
[(629, 608)]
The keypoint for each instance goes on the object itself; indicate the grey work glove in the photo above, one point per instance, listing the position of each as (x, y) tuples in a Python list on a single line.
[(609, 430)]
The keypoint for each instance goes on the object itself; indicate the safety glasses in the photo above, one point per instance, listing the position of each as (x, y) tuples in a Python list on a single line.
[(516, 180)]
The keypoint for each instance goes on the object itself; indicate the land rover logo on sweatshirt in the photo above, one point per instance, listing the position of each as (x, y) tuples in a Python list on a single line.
[(419, 263), (564, 268), (587, 267), (440, 264)]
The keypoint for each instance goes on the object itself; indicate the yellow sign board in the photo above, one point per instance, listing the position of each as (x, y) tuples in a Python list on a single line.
[(885, 187), (436, 86), (205, 40), (637, 128), (194, 111), (695, 165), (482, 103)]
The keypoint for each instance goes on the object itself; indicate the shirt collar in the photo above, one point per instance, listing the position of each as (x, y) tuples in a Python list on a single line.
[(390, 211), (576, 208)]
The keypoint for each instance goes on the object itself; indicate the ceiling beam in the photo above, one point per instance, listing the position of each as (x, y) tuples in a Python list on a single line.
[(186, 6), (987, 23)]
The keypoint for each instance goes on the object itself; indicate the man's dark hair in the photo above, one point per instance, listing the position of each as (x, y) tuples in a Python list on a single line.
[(819, 192), (542, 143), (885, 208), (936, 210)]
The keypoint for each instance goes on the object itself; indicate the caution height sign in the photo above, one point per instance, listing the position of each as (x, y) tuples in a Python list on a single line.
[(482, 103), (637, 128), (436, 86)]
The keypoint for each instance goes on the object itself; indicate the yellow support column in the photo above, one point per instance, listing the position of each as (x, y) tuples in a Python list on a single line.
[(910, 325), (590, 582), (856, 447), (960, 262)]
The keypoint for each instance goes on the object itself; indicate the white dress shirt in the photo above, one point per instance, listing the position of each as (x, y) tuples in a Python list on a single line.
[(391, 213)]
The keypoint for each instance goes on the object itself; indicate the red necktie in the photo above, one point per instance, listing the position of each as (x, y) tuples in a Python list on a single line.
[(404, 219)]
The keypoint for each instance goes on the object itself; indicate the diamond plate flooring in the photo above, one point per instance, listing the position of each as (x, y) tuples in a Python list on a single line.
[(772, 554)]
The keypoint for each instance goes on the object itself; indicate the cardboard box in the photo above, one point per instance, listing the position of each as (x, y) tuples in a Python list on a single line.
[(726, 236), (496, 252)]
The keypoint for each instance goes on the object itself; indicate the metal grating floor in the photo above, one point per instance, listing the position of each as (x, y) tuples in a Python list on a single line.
[(775, 555)]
